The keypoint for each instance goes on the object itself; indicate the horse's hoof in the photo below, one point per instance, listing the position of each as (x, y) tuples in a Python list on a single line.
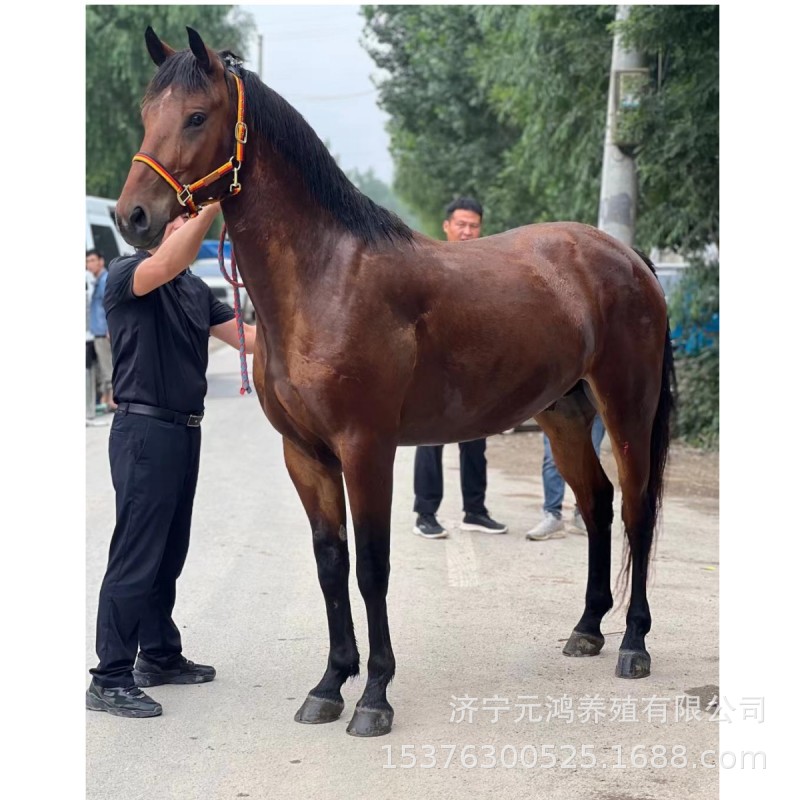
[(316, 710), (371, 722), (633, 664), (583, 644)]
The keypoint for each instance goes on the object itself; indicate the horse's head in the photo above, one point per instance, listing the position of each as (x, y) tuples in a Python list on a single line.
[(193, 141)]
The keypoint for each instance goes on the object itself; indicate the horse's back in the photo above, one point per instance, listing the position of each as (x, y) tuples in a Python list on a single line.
[(568, 246), (589, 274), (562, 272)]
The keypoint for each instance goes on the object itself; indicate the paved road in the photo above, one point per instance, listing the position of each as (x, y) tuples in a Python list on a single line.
[(477, 627)]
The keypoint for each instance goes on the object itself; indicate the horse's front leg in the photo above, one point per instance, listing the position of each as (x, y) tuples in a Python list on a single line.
[(322, 494), (368, 475)]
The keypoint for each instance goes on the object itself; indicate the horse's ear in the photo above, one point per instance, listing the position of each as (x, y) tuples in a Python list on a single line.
[(159, 51), (201, 52)]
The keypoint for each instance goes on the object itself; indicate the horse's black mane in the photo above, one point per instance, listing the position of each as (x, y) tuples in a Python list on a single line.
[(270, 116)]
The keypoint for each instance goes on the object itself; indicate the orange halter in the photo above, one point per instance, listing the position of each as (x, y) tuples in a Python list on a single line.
[(184, 191)]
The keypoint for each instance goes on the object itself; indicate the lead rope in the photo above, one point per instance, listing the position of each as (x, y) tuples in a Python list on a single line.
[(237, 306)]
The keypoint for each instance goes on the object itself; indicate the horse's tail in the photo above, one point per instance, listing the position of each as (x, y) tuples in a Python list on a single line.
[(667, 402), (662, 424), (659, 437)]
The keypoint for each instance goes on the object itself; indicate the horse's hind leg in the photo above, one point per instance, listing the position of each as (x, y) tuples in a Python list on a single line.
[(368, 473), (568, 425), (322, 494), (630, 440), (635, 420)]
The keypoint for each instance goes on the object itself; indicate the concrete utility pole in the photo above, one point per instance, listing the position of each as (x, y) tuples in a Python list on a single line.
[(618, 187)]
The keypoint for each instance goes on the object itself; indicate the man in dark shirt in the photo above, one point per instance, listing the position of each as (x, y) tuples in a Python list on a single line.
[(159, 319)]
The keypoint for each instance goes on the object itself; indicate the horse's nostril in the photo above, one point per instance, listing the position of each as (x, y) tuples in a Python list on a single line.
[(139, 219)]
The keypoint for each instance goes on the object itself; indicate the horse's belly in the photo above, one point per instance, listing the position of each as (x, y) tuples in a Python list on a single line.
[(460, 414)]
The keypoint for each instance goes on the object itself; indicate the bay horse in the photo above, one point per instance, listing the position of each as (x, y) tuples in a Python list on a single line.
[(371, 336)]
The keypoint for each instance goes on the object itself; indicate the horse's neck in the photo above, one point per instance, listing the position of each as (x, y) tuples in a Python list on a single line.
[(282, 240)]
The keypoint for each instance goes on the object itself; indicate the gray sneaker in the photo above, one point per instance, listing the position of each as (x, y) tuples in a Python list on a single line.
[(121, 701), (551, 527), (578, 525)]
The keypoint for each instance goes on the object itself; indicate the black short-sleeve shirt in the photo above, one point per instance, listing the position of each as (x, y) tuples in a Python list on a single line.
[(159, 342)]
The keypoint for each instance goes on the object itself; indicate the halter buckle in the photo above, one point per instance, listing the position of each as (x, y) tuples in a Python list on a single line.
[(240, 132), (185, 196), (235, 186)]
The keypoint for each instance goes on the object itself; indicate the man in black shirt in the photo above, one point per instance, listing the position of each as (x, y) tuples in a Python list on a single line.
[(159, 319)]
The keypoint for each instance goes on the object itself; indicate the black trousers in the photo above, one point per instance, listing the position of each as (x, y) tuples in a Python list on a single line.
[(429, 481), (154, 468)]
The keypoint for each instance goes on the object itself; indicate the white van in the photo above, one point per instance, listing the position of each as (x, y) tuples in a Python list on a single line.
[(101, 229)]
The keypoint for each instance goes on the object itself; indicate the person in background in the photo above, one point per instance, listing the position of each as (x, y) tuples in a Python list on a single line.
[(91, 359), (552, 525), (96, 264), (463, 219), (159, 317)]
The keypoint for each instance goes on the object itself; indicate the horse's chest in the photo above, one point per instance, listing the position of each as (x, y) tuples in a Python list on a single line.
[(284, 411), (297, 393)]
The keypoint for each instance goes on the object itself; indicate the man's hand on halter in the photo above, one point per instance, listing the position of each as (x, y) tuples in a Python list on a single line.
[(177, 251)]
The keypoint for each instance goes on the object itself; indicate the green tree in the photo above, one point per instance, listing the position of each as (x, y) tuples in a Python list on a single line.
[(545, 69), (445, 138), (678, 159), (509, 103), (118, 69)]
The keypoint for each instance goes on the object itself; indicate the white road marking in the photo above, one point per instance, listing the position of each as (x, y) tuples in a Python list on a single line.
[(462, 563)]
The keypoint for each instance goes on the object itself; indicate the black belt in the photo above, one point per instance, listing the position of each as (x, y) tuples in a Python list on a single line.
[(190, 420)]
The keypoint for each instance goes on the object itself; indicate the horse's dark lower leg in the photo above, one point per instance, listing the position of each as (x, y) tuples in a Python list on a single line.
[(639, 481), (568, 426), (634, 660), (369, 483), (325, 702), (373, 715), (322, 493), (586, 639)]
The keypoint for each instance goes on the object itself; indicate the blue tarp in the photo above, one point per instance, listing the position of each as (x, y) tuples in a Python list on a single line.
[(696, 337), (210, 248)]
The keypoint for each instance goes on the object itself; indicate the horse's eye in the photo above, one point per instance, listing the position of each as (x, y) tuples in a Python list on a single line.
[(196, 120)]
